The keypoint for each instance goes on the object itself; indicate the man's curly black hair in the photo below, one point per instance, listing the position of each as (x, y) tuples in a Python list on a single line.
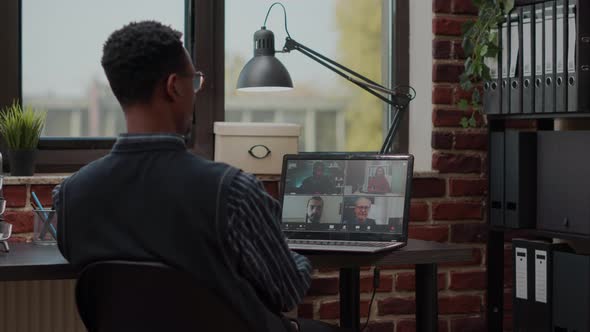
[(137, 57)]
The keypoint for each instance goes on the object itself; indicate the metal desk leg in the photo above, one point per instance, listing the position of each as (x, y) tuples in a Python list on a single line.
[(350, 298), (426, 298)]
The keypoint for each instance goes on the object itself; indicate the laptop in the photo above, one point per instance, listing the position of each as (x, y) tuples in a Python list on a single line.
[(346, 202)]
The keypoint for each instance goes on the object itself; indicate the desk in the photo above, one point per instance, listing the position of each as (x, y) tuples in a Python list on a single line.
[(33, 262)]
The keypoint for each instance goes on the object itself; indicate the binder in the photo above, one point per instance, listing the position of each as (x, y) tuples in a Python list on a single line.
[(550, 53), (520, 178), (491, 89), (515, 73), (504, 90), (533, 284), (497, 178), (539, 58), (528, 60), (583, 56), (572, 81), (561, 55), (571, 302)]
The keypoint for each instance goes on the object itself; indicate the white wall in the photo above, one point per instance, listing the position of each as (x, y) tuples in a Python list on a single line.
[(420, 110)]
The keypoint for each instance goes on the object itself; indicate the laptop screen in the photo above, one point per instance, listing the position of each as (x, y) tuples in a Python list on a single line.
[(346, 193)]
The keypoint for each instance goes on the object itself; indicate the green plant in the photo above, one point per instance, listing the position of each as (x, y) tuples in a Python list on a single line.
[(21, 127), (480, 41)]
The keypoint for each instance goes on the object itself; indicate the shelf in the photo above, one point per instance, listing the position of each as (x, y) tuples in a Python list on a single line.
[(533, 116), (541, 233)]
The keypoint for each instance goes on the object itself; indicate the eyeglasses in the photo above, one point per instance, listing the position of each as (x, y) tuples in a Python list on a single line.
[(198, 80)]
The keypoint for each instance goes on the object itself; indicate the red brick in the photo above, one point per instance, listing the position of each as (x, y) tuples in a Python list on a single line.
[(441, 6), (468, 187), (385, 284), (476, 260), (465, 210), (419, 211), (468, 324), (472, 280), (459, 94), (463, 7), (272, 188), (507, 321), (442, 49), (452, 118), (407, 325), (429, 233), (442, 94), (305, 310), (520, 124), (508, 277), (43, 193), (461, 233), (446, 72), (508, 300), (508, 257), (380, 327), (448, 26), (15, 196), (406, 281), (456, 163), (331, 310), (441, 140), (22, 221), (323, 286), (396, 306), (461, 304), (471, 141), (458, 53), (428, 187), (17, 239)]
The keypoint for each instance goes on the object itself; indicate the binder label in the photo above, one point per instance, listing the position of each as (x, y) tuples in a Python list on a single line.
[(571, 43), (504, 50), (559, 39), (541, 276), (539, 43), (526, 47), (521, 273), (548, 41), (514, 47)]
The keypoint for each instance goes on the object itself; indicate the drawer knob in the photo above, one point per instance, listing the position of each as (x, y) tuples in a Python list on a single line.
[(259, 151)]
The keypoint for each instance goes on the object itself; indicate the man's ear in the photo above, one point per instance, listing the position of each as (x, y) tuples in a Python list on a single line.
[(172, 90)]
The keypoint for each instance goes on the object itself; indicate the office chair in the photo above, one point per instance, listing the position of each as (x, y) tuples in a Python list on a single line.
[(114, 296)]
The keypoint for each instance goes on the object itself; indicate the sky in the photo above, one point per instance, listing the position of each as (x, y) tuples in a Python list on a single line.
[(62, 39)]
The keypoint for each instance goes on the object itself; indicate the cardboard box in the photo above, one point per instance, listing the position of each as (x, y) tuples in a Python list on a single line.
[(256, 148)]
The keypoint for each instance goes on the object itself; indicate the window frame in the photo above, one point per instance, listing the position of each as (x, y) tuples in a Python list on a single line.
[(204, 39)]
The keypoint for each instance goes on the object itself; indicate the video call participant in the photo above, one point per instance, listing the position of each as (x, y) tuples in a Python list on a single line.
[(362, 205), (378, 184), (315, 207), (318, 182)]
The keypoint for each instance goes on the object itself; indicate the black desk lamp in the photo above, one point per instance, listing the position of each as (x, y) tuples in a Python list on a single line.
[(264, 72)]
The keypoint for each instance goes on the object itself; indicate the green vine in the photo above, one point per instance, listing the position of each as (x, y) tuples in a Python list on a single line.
[(480, 41)]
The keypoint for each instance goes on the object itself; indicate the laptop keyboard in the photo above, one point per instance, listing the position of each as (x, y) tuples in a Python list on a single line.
[(341, 243)]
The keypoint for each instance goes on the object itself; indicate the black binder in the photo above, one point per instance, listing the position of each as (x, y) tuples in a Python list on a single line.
[(572, 81), (491, 88), (497, 178), (560, 57), (583, 56), (520, 178), (539, 72), (528, 60), (550, 52), (515, 73), (505, 42), (571, 289), (533, 284)]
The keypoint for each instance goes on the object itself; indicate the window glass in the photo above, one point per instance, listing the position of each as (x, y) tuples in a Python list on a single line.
[(335, 114), (61, 49)]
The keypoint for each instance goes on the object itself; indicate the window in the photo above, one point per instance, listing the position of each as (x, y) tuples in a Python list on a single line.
[(335, 115)]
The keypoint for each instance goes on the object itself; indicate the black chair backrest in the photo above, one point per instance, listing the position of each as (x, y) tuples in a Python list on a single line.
[(114, 296)]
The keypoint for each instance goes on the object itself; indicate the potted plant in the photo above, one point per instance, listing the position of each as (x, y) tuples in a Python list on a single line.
[(20, 129)]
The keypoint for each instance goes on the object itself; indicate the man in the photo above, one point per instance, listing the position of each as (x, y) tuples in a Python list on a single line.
[(150, 199), (362, 205), (318, 182), (315, 207)]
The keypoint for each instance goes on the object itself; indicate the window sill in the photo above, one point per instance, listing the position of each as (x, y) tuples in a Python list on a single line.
[(40, 178)]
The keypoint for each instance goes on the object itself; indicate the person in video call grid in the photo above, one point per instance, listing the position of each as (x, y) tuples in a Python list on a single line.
[(318, 182), (315, 207), (378, 183), (362, 206)]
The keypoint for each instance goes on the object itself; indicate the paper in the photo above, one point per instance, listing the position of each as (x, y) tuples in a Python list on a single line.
[(539, 43), (571, 43), (548, 41), (514, 46), (504, 50), (541, 276), (559, 39), (521, 273), (526, 47)]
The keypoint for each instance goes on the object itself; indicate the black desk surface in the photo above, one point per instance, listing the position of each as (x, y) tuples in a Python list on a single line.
[(27, 261)]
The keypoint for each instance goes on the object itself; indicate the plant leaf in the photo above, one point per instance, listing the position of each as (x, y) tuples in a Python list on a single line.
[(463, 104), (464, 122), (471, 122)]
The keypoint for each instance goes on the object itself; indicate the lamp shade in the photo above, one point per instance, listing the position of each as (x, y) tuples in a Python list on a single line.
[(264, 72)]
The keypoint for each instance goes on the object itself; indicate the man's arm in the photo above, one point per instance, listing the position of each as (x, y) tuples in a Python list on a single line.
[(279, 276)]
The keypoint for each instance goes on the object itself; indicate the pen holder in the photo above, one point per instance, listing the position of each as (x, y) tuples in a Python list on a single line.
[(45, 227)]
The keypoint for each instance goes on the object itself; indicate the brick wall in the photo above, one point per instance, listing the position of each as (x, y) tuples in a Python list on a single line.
[(19, 210)]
